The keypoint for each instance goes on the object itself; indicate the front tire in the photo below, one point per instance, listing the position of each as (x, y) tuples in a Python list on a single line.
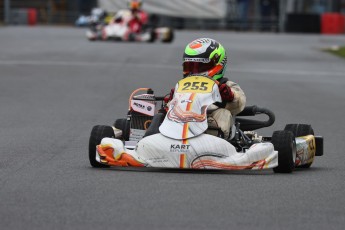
[(97, 134), (284, 142), (300, 130)]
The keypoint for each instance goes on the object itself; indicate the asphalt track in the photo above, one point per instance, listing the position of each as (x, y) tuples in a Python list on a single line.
[(55, 85)]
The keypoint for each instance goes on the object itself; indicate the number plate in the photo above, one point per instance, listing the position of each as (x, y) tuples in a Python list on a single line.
[(195, 84)]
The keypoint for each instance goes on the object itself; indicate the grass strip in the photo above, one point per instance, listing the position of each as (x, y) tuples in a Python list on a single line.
[(337, 50)]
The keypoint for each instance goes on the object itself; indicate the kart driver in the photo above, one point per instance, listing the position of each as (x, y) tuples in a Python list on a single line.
[(127, 23), (207, 57), (138, 17)]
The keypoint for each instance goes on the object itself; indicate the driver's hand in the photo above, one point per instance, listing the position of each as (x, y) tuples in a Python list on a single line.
[(226, 93), (169, 96)]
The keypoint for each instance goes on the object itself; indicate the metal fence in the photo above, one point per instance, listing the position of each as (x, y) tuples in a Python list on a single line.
[(47, 11), (242, 15)]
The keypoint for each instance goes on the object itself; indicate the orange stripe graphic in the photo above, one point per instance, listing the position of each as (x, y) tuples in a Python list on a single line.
[(186, 125), (185, 131), (189, 106), (124, 159), (182, 161), (214, 164)]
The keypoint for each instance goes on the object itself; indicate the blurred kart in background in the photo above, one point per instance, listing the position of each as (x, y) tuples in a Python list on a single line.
[(97, 15), (120, 29), (177, 135)]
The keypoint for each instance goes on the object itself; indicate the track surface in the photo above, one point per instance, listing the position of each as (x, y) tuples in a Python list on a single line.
[(55, 85)]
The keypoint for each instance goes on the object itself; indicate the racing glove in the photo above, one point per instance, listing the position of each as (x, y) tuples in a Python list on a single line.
[(226, 93), (169, 96)]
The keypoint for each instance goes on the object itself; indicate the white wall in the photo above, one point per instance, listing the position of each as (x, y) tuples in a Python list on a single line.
[(178, 8)]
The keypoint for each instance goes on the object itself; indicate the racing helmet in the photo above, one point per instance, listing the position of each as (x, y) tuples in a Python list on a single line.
[(135, 5), (205, 57)]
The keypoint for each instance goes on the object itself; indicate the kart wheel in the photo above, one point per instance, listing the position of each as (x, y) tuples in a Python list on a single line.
[(91, 35), (169, 36), (300, 130), (97, 134), (124, 125), (284, 142), (152, 36)]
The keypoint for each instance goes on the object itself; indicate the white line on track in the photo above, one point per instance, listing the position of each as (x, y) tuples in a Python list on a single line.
[(165, 66), (294, 72)]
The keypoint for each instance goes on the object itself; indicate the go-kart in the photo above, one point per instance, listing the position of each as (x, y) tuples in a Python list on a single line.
[(97, 15), (176, 135), (119, 30)]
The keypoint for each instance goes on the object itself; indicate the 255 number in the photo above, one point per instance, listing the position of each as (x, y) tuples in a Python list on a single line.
[(196, 85)]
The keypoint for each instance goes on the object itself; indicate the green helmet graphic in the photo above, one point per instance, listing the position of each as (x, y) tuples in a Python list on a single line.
[(205, 57)]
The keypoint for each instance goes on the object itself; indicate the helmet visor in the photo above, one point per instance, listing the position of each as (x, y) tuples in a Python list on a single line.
[(197, 67)]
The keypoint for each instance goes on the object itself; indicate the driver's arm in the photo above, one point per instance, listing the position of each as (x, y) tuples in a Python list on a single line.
[(239, 98)]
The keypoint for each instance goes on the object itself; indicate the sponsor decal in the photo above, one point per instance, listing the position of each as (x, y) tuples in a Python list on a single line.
[(186, 101), (136, 134), (143, 107), (299, 156), (139, 105), (195, 45), (203, 60), (305, 150), (180, 148), (158, 160)]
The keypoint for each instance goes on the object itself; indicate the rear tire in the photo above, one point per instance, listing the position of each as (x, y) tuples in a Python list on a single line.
[(284, 142), (300, 130), (97, 134), (170, 36), (124, 125)]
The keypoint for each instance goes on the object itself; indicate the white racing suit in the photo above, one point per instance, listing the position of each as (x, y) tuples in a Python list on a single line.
[(223, 116)]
